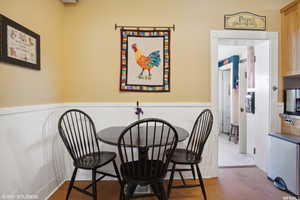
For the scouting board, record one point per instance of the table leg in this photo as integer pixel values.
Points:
(130, 189)
(143, 153)
(143, 157)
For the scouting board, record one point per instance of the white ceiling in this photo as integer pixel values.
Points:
(225, 51)
(233, 42)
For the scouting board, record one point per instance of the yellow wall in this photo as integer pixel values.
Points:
(23, 86)
(92, 44)
(80, 51)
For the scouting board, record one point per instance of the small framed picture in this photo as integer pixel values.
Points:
(19, 45)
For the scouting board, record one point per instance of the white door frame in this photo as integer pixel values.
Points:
(216, 36)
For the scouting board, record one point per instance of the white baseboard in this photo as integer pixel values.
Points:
(55, 189)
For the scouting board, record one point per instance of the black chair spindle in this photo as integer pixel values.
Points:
(78, 133)
(191, 156)
(148, 141)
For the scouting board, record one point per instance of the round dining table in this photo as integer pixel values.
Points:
(111, 136)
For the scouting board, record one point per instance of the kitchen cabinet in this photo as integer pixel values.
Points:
(290, 39)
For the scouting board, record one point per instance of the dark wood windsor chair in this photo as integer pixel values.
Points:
(191, 156)
(149, 164)
(78, 133)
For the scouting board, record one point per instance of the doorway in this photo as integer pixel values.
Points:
(249, 93)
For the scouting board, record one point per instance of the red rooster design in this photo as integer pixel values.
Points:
(146, 62)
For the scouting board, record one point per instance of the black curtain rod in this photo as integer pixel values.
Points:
(145, 27)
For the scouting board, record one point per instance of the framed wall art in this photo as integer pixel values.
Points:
(245, 21)
(18, 45)
(145, 60)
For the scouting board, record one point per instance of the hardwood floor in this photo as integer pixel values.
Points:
(232, 184)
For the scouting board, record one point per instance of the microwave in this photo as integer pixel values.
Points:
(292, 101)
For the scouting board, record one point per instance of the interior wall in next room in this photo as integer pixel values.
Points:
(225, 98)
(224, 52)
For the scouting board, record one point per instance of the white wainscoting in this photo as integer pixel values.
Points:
(29, 150)
(34, 161)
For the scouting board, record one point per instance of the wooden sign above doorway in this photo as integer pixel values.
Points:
(245, 21)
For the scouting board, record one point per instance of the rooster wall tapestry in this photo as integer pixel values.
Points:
(145, 60)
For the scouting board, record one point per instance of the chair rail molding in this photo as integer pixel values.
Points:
(30, 108)
(133, 104)
(42, 107)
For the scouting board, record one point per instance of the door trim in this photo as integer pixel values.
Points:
(272, 37)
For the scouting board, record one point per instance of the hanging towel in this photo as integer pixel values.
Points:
(235, 60)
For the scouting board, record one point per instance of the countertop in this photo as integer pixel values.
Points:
(287, 137)
(286, 116)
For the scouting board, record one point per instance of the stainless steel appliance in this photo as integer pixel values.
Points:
(292, 101)
(284, 162)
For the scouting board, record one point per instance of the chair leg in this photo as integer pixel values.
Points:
(201, 181)
(230, 134)
(171, 180)
(156, 190)
(162, 191)
(237, 135)
(182, 178)
(127, 198)
(119, 179)
(130, 191)
(71, 183)
(94, 184)
(117, 172)
(122, 192)
(193, 172)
